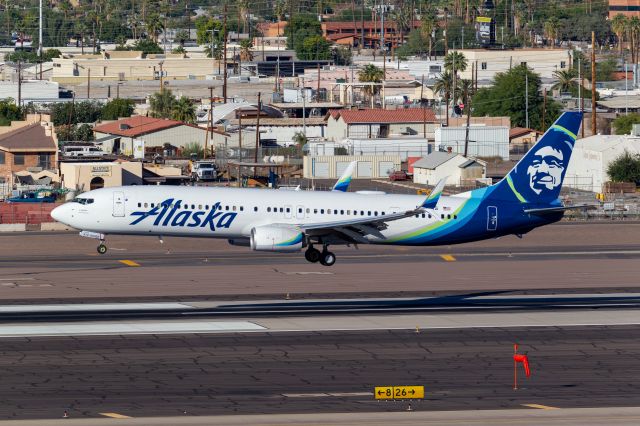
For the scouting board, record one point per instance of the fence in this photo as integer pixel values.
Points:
(27, 213)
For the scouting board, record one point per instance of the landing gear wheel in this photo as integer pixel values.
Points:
(102, 249)
(312, 255)
(327, 258)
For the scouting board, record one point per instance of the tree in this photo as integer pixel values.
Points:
(9, 112)
(428, 28)
(182, 37)
(192, 148)
(205, 26)
(623, 124)
(566, 80)
(551, 30)
(314, 47)
(371, 74)
(618, 26)
(507, 97)
(162, 104)
(625, 168)
(444, 87)
(75, 112)
(154, 26)
(117, 108)
(455, 58)
(245, 50)
(146, 46)
(183, 110)
(342, 55)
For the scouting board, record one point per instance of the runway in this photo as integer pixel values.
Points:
(197, 375)
(55, 268)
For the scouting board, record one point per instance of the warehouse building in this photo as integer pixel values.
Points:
(332, 167)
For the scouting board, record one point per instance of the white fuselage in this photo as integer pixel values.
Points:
(189, 211)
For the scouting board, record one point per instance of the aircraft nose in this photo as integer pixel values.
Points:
(59, 214)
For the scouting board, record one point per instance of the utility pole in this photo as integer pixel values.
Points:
(383, 45)
(255, 155)
(88, 83)
(209, 123)
(526, 95)
(594, 126)
(240, 136)
(581, 98)
(19, 84)
(40, 43)
(161, 76)
(304, 108)
(224, 54)
(424, 108)
(544, 108)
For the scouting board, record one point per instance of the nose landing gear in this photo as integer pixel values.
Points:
(102, 248)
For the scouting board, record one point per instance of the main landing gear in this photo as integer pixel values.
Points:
(325, 257)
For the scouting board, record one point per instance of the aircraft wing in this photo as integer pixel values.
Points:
(353, 230)
(550, 210)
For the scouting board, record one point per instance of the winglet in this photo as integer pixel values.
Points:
(343, 183)
(432, 200)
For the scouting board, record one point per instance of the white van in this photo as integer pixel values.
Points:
(82, 151)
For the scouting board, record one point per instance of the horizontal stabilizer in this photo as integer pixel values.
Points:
(432, 200)
(550, 210)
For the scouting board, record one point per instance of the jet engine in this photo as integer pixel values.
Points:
(276, 238)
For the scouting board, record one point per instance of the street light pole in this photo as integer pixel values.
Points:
(224, 54)
(161, 63)
(88, 83)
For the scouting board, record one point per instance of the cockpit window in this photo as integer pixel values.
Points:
(83, 201)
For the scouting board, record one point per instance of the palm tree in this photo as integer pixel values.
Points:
(633, 31)
(618, 26)
(455, 58)
(466, 92)
(427, 28)
(371, 74)
(245, 50)
(551, 28)
(183, 110)
(566, 79)
(162, 104)
(444, 87)
(154, 26)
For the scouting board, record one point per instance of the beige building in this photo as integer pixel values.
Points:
(379, 123)
(542, 61)
(459, 170)
(131, 66)
(83, 177)
(368, 166)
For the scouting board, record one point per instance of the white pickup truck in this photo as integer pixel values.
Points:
(204, 170)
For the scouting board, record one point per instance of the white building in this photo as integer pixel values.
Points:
(405, 147)
(30, 90)
(379, 123)
(543, 61)
(437, 165)
(591, 156)
(332, 166)
(484, 141)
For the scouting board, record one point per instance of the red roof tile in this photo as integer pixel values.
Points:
(138, 126)
(385, 116)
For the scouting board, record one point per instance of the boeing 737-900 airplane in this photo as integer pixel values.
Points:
(288, 221)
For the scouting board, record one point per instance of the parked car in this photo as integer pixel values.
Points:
(398, 175)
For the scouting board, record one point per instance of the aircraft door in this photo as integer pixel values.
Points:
(492, 218)
(118, 204)
(300, 212)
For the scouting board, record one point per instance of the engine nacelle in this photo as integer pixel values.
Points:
(276, 238)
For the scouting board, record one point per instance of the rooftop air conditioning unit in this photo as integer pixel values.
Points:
(124, 126)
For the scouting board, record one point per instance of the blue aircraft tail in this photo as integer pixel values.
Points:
(538, 176)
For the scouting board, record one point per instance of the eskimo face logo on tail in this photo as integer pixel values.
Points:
(169, 213)
(546, 170)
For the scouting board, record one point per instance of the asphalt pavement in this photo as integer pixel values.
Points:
(320, 372)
